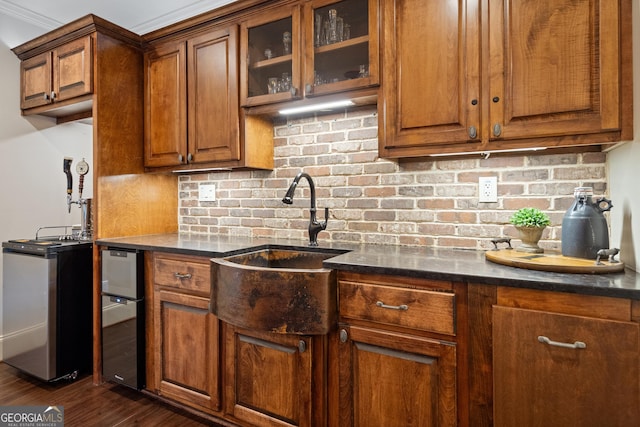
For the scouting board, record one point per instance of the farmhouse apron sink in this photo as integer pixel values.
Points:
(276, 290)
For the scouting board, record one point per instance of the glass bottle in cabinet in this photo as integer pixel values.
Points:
(270, 57)
(343, 37)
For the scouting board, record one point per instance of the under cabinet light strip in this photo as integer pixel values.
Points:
(487, 153)
(316, 107)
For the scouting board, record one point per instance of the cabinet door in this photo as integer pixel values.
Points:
(394, 380)
(554, 67)
(165, 117)
(431, 91)
(544, 384)
(213, 113)
(270, 69)
(35, 79)
(341, 45)
(73, 69)
(187, 350)
(268, 378)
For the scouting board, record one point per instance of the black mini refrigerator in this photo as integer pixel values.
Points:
(123, 354)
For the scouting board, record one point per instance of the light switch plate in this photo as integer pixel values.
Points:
(207, 192)
(488, 189)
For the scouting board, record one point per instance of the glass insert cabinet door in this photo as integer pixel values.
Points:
(309, 49)
(343, 37)
(270, 65)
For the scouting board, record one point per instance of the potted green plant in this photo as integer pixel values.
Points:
(530, 223)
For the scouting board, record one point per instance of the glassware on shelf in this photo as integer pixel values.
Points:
(286, 41)
(363, 71)
(268, 54)
(318, 30)
(285, 82)
(346, 32)
(272, 85)
(333, 26)
(339, 29)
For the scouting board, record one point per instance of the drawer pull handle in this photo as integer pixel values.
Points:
(403, 307)
(576, 345)
(182, 275)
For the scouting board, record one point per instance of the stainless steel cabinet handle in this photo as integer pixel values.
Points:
(182, 275)
(402, 307)
(575, 345)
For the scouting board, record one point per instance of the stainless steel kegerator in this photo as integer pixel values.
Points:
(123, 356)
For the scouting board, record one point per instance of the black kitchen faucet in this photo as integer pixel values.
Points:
(315, 227)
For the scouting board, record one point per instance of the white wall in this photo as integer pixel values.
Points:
(32, 183)
(624, 174)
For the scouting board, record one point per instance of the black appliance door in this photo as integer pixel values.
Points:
(123, 341)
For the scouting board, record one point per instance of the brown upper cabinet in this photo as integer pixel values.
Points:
(57, 75)
(301, 50)
(192, 113)
(503, 75)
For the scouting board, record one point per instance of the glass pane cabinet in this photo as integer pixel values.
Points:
(270, 57)
(322, 47)
(343, 37)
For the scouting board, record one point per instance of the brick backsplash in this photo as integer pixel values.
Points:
(377, 201)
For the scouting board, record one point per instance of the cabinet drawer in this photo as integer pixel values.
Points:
(413, 308)
(183, 272)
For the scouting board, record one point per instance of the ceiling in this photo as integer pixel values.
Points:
(23, 20)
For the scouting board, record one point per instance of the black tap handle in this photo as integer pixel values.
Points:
(66, 167)
(326, 218)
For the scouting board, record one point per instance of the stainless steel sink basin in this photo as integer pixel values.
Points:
(276, 290)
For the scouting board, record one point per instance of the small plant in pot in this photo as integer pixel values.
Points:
(530, 223)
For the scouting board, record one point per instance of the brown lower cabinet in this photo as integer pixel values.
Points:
(186, 345)
(552, 367)
(396, 380)
(274, 379)
(406, 352)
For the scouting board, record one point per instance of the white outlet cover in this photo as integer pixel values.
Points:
(207, 192)
(488, 189)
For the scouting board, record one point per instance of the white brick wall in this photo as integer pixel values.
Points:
(372, 200)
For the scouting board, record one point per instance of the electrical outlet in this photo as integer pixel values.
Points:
(488, 188)
(207, 192)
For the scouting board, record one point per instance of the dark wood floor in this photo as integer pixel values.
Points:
(88, 405)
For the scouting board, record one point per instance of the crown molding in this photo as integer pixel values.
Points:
(28, 16)
(195, 8)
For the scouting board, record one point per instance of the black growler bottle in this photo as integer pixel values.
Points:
(584, 227)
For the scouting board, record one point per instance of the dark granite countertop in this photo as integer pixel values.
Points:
(430, 263)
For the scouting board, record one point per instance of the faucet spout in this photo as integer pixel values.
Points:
(315, 226)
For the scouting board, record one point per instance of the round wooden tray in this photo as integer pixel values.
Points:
(552, 261)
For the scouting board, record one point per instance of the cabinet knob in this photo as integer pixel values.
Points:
(53, 95)
(294, 91)
(474, 102)
(180, 158)
(308, 88)
(497, 129)
(302, 346)
(496, 99)
(473, 132)
(189, 158)
(344, 336)
(46, 97)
